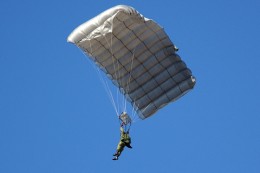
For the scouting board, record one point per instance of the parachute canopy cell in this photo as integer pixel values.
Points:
(137, 55)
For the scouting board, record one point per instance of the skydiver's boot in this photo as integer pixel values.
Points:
(116, 154)
(128, 146)
(115, 158)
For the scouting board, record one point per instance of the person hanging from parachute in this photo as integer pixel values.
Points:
(125, 139)
(140, 59)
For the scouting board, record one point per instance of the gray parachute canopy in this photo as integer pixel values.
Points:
(137, 55)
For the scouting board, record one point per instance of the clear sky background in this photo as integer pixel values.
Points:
(55, 116)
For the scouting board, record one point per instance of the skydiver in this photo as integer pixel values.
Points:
(125, 140)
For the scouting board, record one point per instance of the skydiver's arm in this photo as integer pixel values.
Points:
(121, 129)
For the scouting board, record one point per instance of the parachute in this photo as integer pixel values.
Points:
(137, 55)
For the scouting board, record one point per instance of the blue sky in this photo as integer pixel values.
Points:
(55, 115)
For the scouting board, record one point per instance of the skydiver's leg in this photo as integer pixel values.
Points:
(120, 148)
